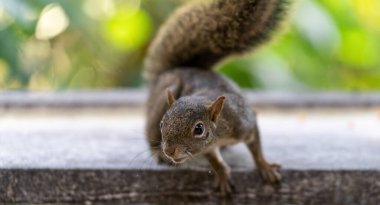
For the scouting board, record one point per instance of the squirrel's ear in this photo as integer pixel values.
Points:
(216, 107)
(170, 97)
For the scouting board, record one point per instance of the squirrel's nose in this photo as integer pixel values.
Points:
(171, 150)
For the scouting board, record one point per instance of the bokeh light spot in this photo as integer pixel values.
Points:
(128, 28)
(52, 22)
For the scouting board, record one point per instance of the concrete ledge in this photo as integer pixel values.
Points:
(137, 98)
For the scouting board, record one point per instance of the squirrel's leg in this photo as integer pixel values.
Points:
(155, 112)
(156, 108)
(156, 150)
(222, 171)
(268, 171)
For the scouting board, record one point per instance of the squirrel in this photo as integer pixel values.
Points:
(191, 109)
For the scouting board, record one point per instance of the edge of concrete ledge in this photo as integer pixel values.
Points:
(137, 98)
(194, 187)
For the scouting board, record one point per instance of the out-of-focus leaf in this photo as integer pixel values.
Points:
(22, 13)
(368, 12)
(10, 53)
(359, 49)
(240, 71)
(315, 25)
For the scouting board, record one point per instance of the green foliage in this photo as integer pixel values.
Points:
(329, 45)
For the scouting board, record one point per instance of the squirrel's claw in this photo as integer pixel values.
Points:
(270, 175)
(275, 165)
(225, 187)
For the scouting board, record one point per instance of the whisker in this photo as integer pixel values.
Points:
(158, 141)
(189, 154)
(147, 160)
(137, 156)
(156, 147)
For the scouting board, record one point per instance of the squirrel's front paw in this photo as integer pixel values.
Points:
(269, 174)
(225, 186)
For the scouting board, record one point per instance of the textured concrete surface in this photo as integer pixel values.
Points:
(186, 187)
(328, 157)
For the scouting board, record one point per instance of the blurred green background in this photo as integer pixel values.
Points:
(96, 44)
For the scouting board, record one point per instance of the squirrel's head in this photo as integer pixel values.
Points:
(188, 126)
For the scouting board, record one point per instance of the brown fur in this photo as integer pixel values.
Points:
(198, 99)
(201, 35)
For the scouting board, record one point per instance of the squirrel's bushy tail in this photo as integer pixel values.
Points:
(201, 35)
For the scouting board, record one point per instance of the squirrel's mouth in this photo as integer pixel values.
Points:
(179, 160)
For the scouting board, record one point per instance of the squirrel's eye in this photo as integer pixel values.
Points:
(198, 129)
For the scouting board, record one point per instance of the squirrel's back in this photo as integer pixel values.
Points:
(200, 35)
